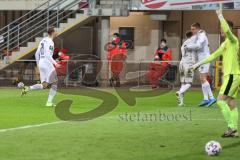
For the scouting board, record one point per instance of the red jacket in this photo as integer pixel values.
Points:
(156, 71)
(156, 66)
(62, 60)
(115, 50)
(165, 54)
(116, 56)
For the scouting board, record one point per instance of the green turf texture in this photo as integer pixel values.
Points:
(111, 137)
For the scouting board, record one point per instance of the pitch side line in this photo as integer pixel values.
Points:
(60, 122)
(30, 126)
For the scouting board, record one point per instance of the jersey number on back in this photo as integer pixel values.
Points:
(42, 49)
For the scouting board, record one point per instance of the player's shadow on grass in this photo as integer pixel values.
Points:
(233, 145)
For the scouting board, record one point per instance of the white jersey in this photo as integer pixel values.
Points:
(45, 61)
(189, 56)
(45, 52)
(201, 45)
(188, 59)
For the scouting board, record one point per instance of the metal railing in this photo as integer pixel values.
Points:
(89, 70)
(35, 23)
(86, 70)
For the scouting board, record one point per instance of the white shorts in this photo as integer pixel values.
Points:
(204, 68)
(48, 73)
(186, 75)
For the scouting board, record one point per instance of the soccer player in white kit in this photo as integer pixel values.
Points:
(46, 63)
(202, 53)
(188, 59)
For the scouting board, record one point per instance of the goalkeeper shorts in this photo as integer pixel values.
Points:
(230, 85)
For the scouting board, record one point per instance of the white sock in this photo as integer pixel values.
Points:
(184, 88)
(181, 88)
(208, 88)
(36, 87)
(52, 93)
(205, 86)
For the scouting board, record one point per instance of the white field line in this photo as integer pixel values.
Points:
(60, 122)
(30, 126)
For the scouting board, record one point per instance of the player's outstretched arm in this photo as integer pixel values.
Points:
(225, 27)
(212, 57)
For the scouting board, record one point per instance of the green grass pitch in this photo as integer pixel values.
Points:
(27, 130)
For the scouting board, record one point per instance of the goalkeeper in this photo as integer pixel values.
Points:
(231, 75)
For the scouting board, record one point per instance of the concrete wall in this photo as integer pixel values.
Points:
(147, 31)
(146, 34)
(210, 23)
(79, 40)
(172, 29)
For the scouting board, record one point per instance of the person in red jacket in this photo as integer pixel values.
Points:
(164, 52)
(117, 54)
(62, 58)
(156, 71)
(158, 68)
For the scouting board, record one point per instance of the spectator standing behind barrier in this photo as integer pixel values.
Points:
(158, 68)
(164, 52)
(117, 54)
(61, 58)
